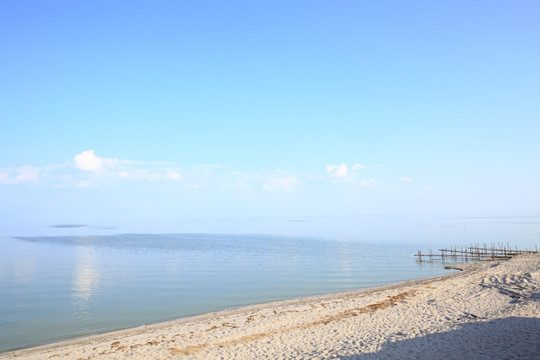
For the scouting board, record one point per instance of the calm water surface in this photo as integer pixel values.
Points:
(82, 280)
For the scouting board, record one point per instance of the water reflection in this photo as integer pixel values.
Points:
(24, 268)
(344, 254)
(85, 276)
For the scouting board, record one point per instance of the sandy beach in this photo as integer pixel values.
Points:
(489, 310)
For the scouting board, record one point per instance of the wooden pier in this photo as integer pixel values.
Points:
(472, 253)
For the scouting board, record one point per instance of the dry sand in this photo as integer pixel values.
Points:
(490, 310)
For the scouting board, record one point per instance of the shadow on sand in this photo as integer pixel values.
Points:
(509, 338)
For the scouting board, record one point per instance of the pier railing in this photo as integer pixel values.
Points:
(472, 253)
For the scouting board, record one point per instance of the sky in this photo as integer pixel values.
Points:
(166, 110)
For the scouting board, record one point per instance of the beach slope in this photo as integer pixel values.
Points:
(490, 310)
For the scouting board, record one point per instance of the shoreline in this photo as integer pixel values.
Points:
(349, 325)
(459, 269)
(453, 271)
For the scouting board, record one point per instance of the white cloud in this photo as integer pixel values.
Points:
(19, 175)
(86, 169)
(342, 171)
(343, 175)
(405, 179)
(88, 161)
(239, 185)
(174, 176)
(27, 173)
(4, 177)
(280, 184)
(133, 173)
(339, 171)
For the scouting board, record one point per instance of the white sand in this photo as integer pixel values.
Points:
(491, 310)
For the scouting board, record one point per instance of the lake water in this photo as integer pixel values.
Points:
(60, 281)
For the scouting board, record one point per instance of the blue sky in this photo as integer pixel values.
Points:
(147, 110)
